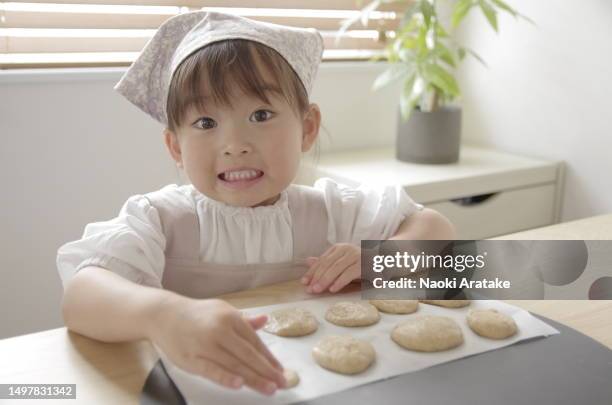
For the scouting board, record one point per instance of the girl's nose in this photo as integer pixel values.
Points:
(237, 150)
(236, 145)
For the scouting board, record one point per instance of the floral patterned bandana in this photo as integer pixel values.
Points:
(146, 82)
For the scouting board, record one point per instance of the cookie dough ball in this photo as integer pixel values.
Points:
(428, 333)
(491, 323)
(396, 306)
(448, 303)
(291, 377)
(291, 322)
(352, 313)
(344, 354)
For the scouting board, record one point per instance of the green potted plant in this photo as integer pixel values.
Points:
(423, 55)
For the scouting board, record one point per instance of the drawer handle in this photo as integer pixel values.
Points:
(473, 200)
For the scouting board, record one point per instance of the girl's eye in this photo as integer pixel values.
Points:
(261, 115)
(205, 123)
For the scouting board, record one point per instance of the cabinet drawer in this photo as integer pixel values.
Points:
(485, 216)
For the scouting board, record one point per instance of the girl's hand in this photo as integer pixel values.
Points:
(334, 269)
(212, 339)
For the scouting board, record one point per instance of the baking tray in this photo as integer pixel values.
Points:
(567, 368)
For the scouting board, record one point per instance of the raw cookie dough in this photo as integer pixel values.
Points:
(344, 354)
(428, 333)
(396, 306)
(291, 322)
(491, 324)
(291, 377)
(448, 303)
(352, 313)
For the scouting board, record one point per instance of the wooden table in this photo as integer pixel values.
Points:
(115, 373)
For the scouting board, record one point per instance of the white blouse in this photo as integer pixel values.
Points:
(132, 244)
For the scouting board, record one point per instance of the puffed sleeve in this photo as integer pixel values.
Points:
(130, 245)
(364, 212)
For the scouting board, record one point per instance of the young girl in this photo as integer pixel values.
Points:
(233, 95)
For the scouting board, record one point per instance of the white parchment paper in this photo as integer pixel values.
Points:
(391, 359)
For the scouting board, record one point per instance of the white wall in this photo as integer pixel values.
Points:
(546, 92)
(73, 151)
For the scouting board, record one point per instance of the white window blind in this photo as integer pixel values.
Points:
(71, 33)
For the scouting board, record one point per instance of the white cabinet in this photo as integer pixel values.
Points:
(487, 193)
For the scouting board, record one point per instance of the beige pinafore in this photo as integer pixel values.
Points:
(186, 274)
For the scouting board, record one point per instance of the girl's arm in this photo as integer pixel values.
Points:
(426, 224)
(341, 263)
(208, 337)
(104, 306)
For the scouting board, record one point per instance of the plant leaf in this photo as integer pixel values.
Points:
(408, 14)
(500, 4)
(445, 54)
(406, 98)
(428, 11)
(363, 16)
(406, 55)
(421, 42)
(475, 55)
(524, 17)
(440, 31)
(365, 12)
(504, 6)
(489, 12)
(461, 9)
(345, 24)
(409, 43)
(393, 73)
(442, 79)
(461, 53)
(418, 88)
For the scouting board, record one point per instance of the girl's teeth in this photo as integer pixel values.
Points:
(240, 175)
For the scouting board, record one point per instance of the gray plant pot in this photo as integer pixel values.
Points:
(430, 137)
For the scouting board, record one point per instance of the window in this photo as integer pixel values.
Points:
(73, 33)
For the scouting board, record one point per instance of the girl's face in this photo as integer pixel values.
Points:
(246, 154)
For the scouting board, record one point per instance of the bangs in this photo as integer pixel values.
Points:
(210, 74)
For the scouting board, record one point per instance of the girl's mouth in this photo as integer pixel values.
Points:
(238, 179)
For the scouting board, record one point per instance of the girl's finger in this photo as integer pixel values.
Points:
(327, 259)
(345, 278)
(210, 369)
(251, 378)
(310, 261)
(257, 322)
(314, 268)
(252, 337)
(344, 263)
(331, 273)
(327, 263)
(250, 357)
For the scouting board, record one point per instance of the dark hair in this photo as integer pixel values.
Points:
(226, 62)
